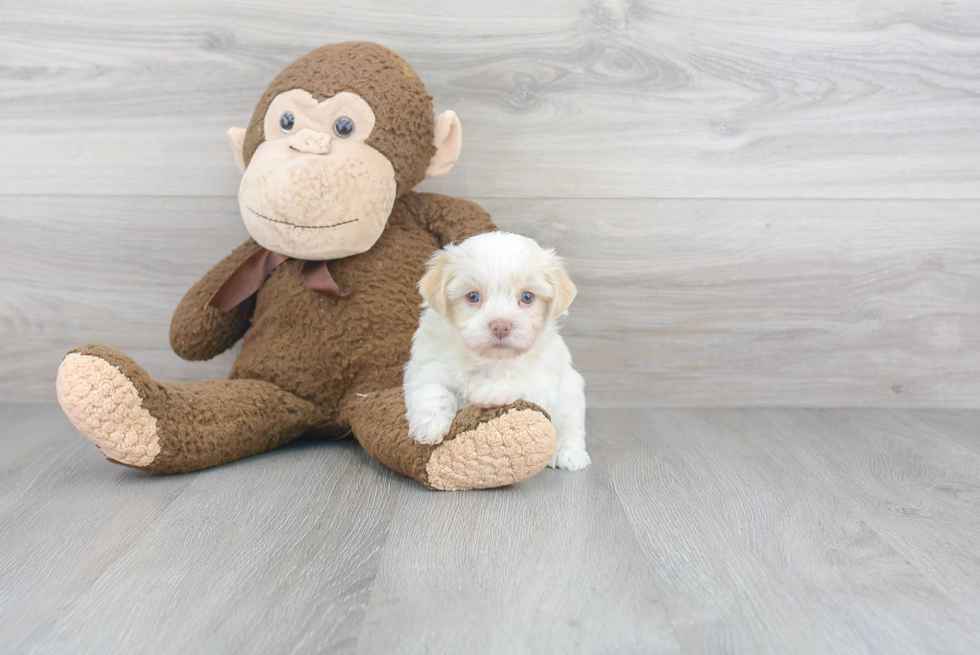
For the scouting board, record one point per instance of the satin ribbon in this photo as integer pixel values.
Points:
(253, 272)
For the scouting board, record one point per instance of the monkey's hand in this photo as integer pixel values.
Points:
(451, 220)
(198, 332)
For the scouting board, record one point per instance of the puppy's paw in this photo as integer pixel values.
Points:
(429, 427)
(570, 458)
(494, 395)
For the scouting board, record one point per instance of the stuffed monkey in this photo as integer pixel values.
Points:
(324, 294)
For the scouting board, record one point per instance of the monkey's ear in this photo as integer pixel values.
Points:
(236, 137)
(448, 141)
(433, 284)
(564, 289)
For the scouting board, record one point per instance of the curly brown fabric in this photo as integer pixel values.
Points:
(404, 129)
(310, 361)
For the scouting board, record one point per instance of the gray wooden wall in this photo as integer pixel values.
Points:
(764, 203)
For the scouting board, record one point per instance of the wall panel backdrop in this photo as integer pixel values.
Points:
(763, 203)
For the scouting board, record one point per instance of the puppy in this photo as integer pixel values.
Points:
(488, 337)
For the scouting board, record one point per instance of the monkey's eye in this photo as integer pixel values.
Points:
(343, 127)
(527, 297)
(473, 297)
(286, 122)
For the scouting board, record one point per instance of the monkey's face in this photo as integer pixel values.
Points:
(314, 189)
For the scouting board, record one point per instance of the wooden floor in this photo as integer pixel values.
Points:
(694, 531)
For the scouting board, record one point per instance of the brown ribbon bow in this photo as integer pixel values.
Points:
(249, 276)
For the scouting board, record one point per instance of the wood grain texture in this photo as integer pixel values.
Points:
(587, 98)
(801, 531)
(963, 426)
(107, 559)
(702, 531)
(681, 302)
(553, 559)
(701, 165)
(915, 485)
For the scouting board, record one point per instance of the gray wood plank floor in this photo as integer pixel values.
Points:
(696, 530)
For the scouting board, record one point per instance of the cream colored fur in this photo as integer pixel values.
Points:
(458, 359)
(484, 457)
(308, 192)
(346, 187)
(448, 142)
(105, 406)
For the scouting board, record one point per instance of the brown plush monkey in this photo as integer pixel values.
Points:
(324, 293)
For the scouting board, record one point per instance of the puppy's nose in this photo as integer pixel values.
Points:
(311, 142)
(500, 328)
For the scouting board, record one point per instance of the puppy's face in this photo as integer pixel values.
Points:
(499, 291)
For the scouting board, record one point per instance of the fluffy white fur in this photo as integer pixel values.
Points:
(459, 358)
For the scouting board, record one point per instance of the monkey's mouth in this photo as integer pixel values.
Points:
(304, 152)
(302, 227)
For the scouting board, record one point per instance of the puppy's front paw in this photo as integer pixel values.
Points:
(571, 458)
(494, 395)
(429, 427)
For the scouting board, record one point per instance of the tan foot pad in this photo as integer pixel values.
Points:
(502, 451)
(104, 405)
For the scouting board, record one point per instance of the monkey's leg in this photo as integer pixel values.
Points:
(485, 447)
(173, 428)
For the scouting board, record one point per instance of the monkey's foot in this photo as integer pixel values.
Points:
(492, 448)
(96, 390)
(174, 428)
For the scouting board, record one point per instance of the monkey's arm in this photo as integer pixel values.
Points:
(451, 220)
(198, 332)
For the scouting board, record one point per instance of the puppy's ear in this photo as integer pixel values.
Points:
(563, 287)
(433, 284)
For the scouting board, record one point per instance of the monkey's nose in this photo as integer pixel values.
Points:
(500, 328)
(310, 142)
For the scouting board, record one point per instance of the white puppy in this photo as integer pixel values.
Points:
(488, 337)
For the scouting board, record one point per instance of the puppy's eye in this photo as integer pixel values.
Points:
(473, 297)
(286, 122)
(527, 297)
(343, 127)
